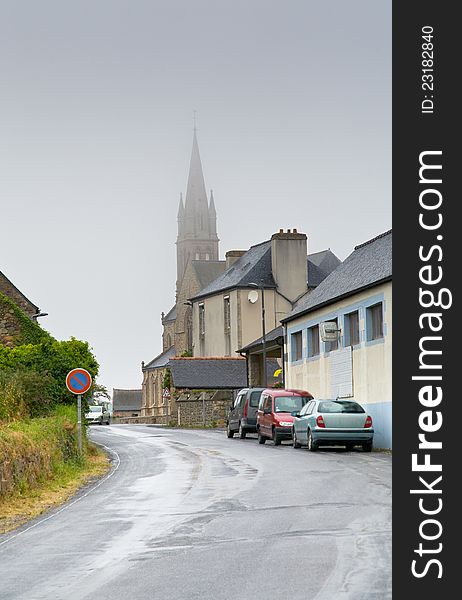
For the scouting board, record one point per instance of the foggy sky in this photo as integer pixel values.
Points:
(97, 98)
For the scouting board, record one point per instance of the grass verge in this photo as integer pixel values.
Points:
(17, 509)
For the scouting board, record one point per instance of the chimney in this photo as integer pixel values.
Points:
(232, 256)
(289, 262)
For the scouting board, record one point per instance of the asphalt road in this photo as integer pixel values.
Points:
(191, 514)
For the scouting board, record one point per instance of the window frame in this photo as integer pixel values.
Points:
(311, 352)
(375, 328)
(296, 346)
(348, 329)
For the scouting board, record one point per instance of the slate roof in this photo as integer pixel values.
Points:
(255, 267)
(209, 373)
(208, 270)
(320, 265)
(368, 265)
(171, 315)
(126, 400)
(161, 360)
(271, 336)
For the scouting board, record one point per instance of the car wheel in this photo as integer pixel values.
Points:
(295, 443)
(367, 447)
(241, 432)
(229, 432)
(261, 438)
(312, 445)
(276, 438)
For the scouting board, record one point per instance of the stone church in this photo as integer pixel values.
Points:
(198, 265)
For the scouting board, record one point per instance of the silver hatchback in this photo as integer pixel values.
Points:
(332, 423)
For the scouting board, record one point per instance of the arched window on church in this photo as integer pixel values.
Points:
(168, 341)
(188, 329)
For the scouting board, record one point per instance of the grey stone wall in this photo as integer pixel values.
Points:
(203, 409)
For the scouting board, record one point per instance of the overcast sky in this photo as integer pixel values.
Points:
(293, 105)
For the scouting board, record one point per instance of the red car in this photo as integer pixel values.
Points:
(274, 419)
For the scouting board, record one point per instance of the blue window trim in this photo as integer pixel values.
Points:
(369, 340)
(292, 346)
(310, 356)
(361, 306)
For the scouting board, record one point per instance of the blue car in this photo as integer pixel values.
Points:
(332, 423)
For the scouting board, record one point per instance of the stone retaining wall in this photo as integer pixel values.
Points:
(203, 409)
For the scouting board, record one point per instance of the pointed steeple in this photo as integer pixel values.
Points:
(180, 216)
(212, 215)
(181, 208)
(212, 210)
(197, 220)
(196, 205)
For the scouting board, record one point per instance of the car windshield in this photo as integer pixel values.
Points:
(289, 403)
(340, 406)
(96, 409)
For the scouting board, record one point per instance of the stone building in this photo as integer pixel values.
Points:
(267, 279)
(198, 265)
(10, 324)
(126, 403)
(154, 395)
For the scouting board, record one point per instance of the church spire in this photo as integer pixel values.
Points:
(197, 219)
(196, 205)
(212, 215)
(181, 207)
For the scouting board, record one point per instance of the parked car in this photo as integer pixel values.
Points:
(98, 414)
(274, 415)
(242, 417)
(331, 423)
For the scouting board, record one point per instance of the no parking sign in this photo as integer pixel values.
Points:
(78, 381)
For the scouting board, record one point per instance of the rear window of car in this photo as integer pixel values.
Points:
(340, 406)
(289, 403)
(254, 399)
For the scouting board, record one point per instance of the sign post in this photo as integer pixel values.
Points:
(78, 381)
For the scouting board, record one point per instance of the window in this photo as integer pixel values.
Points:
(238, 400)
(340, 406)
(307, 409)
(352, 329)
(289, 403)
(313, 341)
(297, 346)
(332, 345)
(227, 313)
(254, 399)
(202, 320)
(375, 322)
(227, 325)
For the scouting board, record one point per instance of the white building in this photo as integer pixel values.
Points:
(358, 297)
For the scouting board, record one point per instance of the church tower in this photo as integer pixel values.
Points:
(197, 220)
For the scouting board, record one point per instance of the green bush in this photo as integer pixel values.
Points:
(52, 360)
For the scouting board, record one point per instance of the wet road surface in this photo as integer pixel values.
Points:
(192, 514)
